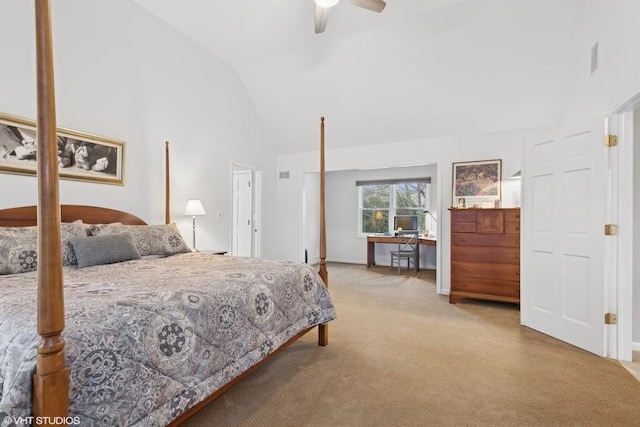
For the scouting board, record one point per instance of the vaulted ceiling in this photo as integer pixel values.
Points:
(420, 69)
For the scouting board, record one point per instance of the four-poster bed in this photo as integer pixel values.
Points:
(139, 346)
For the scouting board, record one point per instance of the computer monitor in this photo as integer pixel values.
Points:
(405, 222)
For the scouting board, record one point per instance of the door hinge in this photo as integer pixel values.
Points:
(611, 140)
(610, 229)
(610, 319)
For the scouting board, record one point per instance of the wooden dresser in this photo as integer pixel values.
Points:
(485, 254)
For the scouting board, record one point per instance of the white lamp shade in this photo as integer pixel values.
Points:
(194, 208)
(326, 3)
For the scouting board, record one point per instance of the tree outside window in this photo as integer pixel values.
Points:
(375, 203)
(411, 199)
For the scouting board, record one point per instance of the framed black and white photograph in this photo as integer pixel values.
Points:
(81, 156)
(477, 184)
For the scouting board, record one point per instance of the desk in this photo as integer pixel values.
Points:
(372, 240)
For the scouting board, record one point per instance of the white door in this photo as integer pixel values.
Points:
(563, 215)
(242, 213)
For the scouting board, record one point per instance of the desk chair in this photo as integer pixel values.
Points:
(406, 250)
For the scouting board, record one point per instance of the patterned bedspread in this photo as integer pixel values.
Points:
(147, 339)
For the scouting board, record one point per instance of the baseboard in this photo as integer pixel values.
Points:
(346, 261)
(360, 262)
(316, 261)
(635, 346)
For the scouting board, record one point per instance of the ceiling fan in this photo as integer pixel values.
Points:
(324, 6)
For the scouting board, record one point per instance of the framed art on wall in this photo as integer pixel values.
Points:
(477, 184)
(81, 156)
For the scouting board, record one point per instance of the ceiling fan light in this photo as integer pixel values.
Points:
(326, 3)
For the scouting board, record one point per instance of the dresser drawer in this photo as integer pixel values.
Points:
(490, 221)
(512, 215)
(512, 227)
(463, 215)
(470, 239)
(463, 227)
(499, 255)
(485, 270)
(485, 286)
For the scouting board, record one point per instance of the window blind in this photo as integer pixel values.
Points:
(426, 180)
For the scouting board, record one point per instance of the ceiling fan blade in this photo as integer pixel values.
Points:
(373, 5)
(322, 14)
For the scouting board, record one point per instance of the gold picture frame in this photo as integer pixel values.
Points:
(477, 184)
(81, 156)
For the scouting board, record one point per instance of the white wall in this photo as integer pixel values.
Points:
(122, 73)
(614, 26)
(311, 217)
(98, 93)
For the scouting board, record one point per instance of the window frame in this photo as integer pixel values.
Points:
(393, 208)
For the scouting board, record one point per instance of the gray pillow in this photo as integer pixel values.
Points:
(161, 239)
(17, 245)
(107, 249)
(18, 254)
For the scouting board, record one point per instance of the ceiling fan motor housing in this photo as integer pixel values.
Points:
(326, 3)
(323, 7)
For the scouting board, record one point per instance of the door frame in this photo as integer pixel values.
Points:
(256, 199)
(621, 124)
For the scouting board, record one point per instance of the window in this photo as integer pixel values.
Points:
(381, 200)
(375, 204)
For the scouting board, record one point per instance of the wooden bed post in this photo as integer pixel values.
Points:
(323, 329)
(51, 380)
(167, 185)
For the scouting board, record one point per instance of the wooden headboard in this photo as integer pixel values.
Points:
(28, 215)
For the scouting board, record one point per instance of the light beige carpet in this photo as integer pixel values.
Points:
(400, 355)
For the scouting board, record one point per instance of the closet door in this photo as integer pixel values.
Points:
(242, 213)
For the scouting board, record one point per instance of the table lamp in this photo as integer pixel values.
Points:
(193, 209)
(432, 217)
